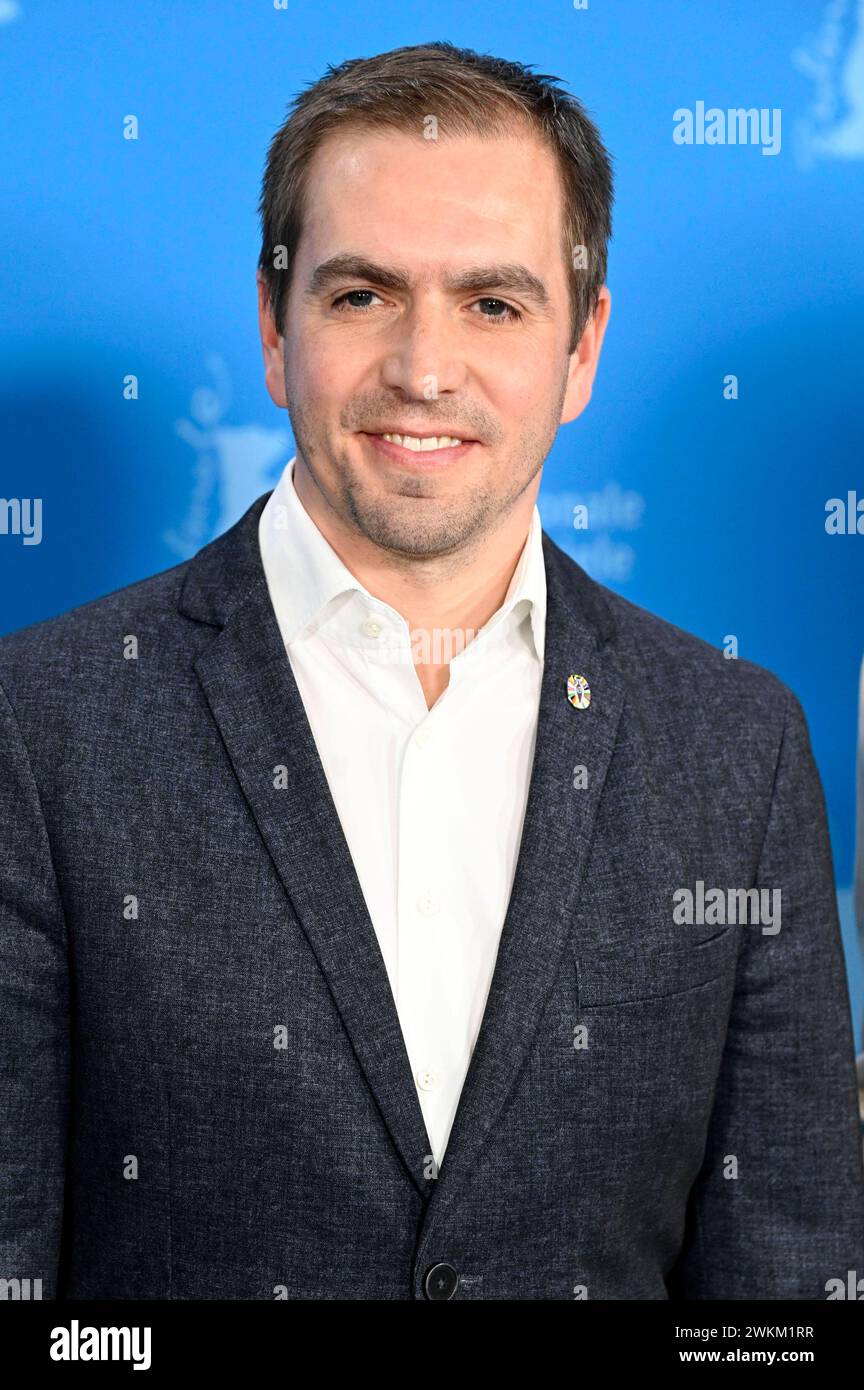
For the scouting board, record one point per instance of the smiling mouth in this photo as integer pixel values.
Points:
(423, 443)
(420, 450)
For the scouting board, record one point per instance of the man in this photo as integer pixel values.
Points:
(361, 878)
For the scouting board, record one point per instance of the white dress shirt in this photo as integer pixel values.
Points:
(431, 801)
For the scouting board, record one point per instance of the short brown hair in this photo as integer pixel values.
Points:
(469, 94)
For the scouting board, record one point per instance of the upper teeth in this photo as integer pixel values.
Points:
(413, 441)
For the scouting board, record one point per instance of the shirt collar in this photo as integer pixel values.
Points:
(311, 588)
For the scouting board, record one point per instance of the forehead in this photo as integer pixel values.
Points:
(395, 195)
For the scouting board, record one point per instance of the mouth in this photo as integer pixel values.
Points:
(421, 451)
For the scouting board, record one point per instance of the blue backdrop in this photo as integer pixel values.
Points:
(727, 410)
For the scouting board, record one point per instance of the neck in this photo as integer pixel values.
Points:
(454, 595)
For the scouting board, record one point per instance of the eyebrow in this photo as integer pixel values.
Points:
(510, 277)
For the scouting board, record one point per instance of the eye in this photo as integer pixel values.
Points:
(510, 315)
(341, 304)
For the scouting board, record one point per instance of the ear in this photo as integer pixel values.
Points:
(271, 346)
(583, 361)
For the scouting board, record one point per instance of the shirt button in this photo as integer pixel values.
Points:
(427, 1079)
(371, 628)
(422, 737)
(440, 1283)
(428, 906)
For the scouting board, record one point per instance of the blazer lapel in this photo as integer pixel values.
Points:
(253, 697)
(556, 835)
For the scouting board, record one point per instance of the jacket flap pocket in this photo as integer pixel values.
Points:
(646, 969)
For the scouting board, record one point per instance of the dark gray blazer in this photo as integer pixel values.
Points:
(205, 1090)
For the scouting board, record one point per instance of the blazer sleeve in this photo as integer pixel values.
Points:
(777, 1210)
(34, 1027)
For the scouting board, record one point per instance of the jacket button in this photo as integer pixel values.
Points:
(441, 1282)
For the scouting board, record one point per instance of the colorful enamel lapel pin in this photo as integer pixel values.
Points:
(578, 692)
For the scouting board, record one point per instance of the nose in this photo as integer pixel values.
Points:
(423, 358)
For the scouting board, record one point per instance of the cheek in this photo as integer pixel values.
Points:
(521, 388)
(337, 364)
(316, 375)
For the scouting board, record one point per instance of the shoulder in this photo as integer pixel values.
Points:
(71, 667)
(673, 677)
(82, 631)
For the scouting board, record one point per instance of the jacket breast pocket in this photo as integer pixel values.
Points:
(624, 971)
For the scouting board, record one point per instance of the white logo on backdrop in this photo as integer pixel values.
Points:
(833, 60)
(234, 464)
(584, 524)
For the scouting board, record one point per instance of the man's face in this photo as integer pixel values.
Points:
(429, 297)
